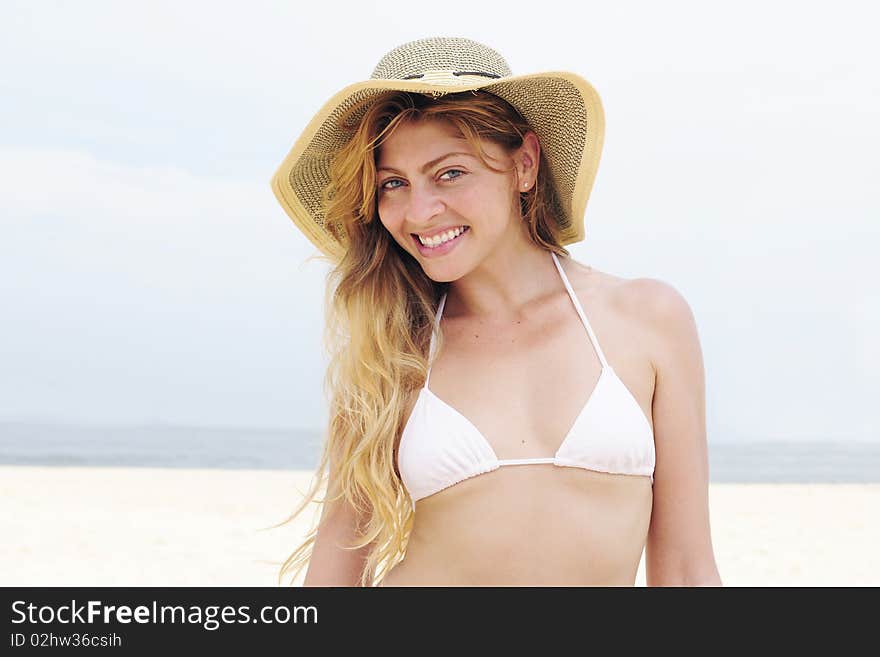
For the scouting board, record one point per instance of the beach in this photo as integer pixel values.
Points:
(133, 526)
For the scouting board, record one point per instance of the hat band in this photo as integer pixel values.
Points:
(450, 77)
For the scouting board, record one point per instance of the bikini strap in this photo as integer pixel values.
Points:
(433, 333)
(580, 311)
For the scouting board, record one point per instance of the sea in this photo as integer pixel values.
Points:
(164, 446)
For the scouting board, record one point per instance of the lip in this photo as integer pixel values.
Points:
(439, 231)
(441, 250)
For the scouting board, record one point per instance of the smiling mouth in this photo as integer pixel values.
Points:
(433, 243)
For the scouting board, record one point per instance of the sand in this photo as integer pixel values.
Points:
(169, 527)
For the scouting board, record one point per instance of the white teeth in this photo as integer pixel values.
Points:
(442, 238)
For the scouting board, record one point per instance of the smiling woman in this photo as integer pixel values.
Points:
(473, 184)
(564, 429)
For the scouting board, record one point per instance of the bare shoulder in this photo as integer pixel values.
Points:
(638, 295)
(653, 308)
(666, 322)
(659, 303)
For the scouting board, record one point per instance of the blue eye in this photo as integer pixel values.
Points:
(382, 186)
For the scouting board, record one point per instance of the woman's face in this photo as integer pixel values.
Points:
(431, 184)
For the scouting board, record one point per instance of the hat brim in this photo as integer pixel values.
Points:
(563, 109)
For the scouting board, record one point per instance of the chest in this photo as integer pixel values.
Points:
(522, 384)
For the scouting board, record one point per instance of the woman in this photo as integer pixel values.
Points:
(500, 414)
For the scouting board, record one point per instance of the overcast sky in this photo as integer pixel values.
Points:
(147, 273)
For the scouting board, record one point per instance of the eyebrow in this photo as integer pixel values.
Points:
(430, 164)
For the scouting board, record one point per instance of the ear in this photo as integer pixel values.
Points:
(526, 159)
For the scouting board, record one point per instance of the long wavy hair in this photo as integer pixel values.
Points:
(380, 310)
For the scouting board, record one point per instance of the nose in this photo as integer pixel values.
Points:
(423, 204)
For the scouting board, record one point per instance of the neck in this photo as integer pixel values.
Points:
(504, 284)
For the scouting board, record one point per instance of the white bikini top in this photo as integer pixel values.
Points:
(440, 447)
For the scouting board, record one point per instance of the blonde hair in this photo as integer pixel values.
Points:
(381, 308)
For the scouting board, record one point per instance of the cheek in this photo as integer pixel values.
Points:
(389, 215)
(484, 204)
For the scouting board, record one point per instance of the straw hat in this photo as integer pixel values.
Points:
(562, 108)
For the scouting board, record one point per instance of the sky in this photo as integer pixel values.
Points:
(147, 274)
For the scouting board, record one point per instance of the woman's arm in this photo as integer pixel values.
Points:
(330, 564)
(679, 548)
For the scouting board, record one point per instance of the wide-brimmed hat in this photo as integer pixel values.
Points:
(562, 108)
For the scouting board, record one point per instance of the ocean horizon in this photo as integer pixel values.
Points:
(168, 446)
